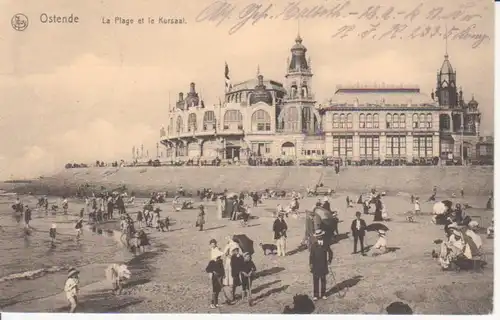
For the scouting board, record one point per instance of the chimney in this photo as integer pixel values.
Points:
(192, 90)
(181, 96)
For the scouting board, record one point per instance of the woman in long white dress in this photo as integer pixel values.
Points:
(228, 250)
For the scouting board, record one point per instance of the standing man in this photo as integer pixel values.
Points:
(319, 258)
(358, 227)
(280, 227)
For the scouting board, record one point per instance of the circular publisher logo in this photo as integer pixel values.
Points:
(19, 22)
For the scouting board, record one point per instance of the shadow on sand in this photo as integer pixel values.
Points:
(346, 284)
(268, 272)
(269, 293)
(264, 286)
(215, 228)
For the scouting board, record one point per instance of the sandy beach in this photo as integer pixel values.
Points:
(171, 278)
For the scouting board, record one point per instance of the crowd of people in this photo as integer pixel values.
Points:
(233, 266)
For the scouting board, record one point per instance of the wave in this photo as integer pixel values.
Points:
(33, 274)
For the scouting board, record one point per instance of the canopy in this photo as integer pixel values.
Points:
(245, 243)
(323, 213)
(448, 204)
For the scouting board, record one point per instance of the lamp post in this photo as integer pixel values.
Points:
(462, 143)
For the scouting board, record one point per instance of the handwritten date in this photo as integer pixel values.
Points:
(403, 31)
(242, 13)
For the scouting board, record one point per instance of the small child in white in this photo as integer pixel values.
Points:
(417, 205)
(71, 287)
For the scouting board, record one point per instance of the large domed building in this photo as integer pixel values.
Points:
(265, 118)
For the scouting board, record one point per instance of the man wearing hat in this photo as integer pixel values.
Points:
(280, 228)
(358, 227)
(71, 288)
(319, 258)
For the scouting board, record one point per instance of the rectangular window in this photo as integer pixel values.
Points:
(389, 146)
(402, 146)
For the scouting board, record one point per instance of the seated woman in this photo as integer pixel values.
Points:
(381, 244)
(453, 248)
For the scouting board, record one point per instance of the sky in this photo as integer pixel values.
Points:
(88, 91)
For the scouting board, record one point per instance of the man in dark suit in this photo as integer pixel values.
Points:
(319, 258)
(358, 227)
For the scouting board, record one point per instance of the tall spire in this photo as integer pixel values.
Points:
(446, 42)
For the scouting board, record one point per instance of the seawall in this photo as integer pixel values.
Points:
(475, 180)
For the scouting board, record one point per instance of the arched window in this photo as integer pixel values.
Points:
(429, 120)
(261, 121)
(402, 121)
(362, 120)
(388, 120)
(444, 122)
(335, 120)
(292, 119)
(209, 120)
(349, 121)
(376, 121)
(421, 121)
(343, 121)
(369, 121)
(233, 120)
(415, 120)
(395, 120)
(180, 125)
(192, 122)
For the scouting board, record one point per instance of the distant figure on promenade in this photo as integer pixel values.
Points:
(358, 227)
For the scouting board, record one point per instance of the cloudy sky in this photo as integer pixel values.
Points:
(87, 91)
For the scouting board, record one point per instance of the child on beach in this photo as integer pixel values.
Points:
(79, 228)
(417, 205)
(236, 265)
(71, 289)
(52, 234)
(247, 271)
(215, 269)
(139, 218)
(381, 244)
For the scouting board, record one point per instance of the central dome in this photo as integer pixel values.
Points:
(260, 94)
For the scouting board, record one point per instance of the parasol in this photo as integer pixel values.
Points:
(376, 227)
(231, 194)
(245, 243)
(439, 208)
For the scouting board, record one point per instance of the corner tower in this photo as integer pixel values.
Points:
(297, 114)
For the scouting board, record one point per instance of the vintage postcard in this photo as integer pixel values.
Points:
(247, 156)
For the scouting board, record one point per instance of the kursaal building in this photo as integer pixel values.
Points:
(270, 119)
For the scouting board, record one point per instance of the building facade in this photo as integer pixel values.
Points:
(264, 118)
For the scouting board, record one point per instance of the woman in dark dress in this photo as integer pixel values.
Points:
(378, 210)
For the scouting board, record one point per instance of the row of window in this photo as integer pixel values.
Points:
(393, 121)
(233, 119)
(369, 147)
